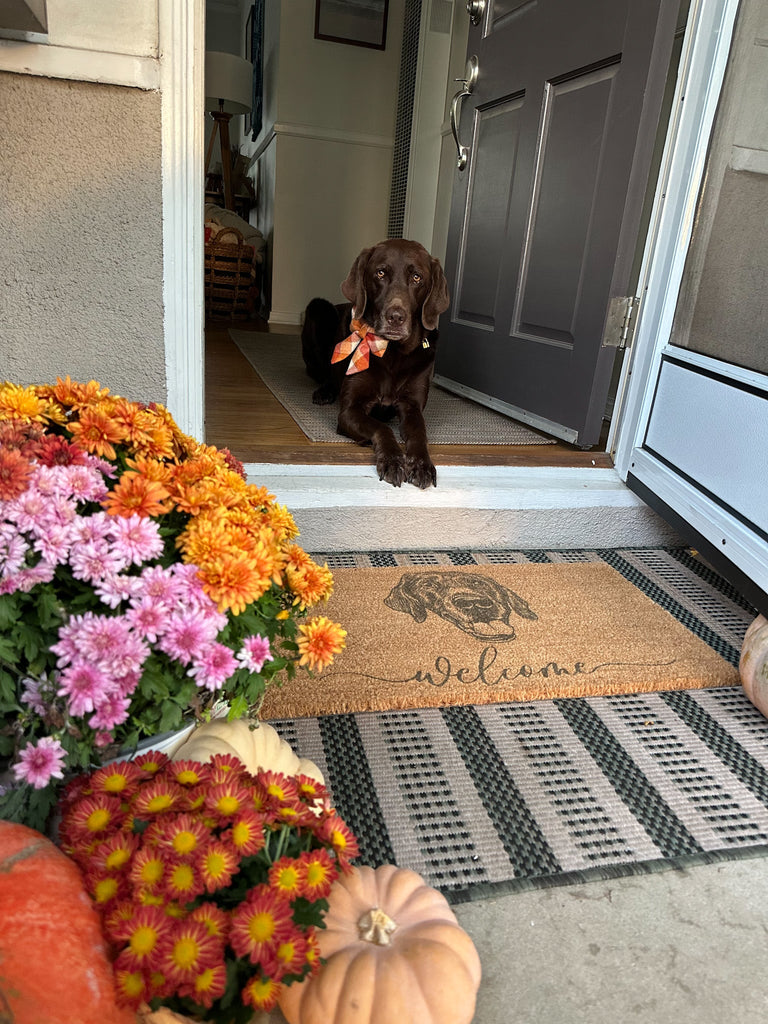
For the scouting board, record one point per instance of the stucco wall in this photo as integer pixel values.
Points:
(81, 267)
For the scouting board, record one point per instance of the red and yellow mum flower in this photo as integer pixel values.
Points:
(115, 853)
(260, 924)
(262, 993)
(207, 986)
(191, 950)
(317, 871)
(131, 987)
(319, 640)
(151, 762)
(228, 798)
(217, 863)
(94, 815)
(147, 869)
(338, 835)
(189, 773)
(183, 835)
(120, 778)
(158, 797)
(285, 877)
(291, 954)
(246, 833)
(278, 788)
(182, 882)
(147, 936)
(213, 918)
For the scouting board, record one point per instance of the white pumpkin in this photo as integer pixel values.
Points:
(753, 663)
(258, 745)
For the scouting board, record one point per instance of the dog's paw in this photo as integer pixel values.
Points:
(421, 473)
(324, 395)
(391, 469)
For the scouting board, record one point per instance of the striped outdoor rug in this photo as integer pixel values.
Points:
(487, 799)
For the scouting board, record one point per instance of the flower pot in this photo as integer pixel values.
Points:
(753, 663)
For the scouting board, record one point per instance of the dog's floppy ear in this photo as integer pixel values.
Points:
(438, 300)
(402, 599)
(353, 289)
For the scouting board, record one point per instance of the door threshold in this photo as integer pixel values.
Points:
(342, 508)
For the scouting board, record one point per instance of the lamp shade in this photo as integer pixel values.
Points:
(229, 81)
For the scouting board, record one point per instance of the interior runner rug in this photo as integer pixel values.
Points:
(436, 636)
(450, 419)
(491, 798)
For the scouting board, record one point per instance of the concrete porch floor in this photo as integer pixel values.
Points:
(676, 947)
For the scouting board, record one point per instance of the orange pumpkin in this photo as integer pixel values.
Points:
(53, 964)
(395, 953)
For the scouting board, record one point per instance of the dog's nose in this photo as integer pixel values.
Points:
(395, 317)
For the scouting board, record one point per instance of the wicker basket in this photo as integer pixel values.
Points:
(231, 286)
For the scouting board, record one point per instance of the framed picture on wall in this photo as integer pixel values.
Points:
(254, 52)
(357, 22)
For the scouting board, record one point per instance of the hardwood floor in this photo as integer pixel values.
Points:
(243, 415)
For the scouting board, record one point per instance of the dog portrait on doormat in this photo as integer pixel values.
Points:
(376, 354)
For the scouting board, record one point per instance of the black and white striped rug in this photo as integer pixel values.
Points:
(487, 799)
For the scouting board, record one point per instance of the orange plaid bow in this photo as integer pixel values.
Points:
(361, 342)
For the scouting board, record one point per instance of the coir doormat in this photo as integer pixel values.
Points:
(441, 636)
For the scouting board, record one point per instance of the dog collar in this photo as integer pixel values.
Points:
(361, 342)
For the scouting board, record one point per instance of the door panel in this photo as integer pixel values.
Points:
(544, 218)
(494, 145)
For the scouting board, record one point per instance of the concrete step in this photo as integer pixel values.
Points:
(347, 508)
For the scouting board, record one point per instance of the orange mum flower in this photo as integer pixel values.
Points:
(311, 583)
(20, 403)
(236, 580)
(72, 394)
(136, 495)
(96, 432)
(15, 472)
(319, 641)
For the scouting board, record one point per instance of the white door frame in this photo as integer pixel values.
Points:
(182, 71)
(700, 78)
(702, 68)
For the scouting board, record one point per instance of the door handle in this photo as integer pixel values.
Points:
(468, 84)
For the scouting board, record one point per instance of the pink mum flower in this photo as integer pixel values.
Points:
(254, 653)
(187, 638)
(137, 538)
(150, 618)
(214, 667)
(94, 560)
(85, 686)
(40, 763)
(112, 711)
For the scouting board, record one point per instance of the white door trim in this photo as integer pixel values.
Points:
(700, 78)
(182, 64)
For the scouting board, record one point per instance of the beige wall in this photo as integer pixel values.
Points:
(723, 306)
(81, 267)
(329, 127)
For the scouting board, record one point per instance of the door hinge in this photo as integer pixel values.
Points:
(620, 322)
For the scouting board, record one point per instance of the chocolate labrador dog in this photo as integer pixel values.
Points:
(378, 354)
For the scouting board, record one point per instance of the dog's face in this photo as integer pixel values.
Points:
(397, 288)
(476, 604)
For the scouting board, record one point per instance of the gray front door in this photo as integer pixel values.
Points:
(559, 129)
